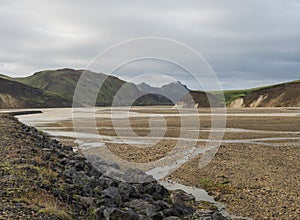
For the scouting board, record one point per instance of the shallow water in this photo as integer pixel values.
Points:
(200, 194)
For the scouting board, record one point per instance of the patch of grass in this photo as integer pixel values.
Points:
(46, 203)
(56, 212)
(210, 185)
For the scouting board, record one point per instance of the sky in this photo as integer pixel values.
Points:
(246, 43)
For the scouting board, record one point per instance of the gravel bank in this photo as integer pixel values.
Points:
(251, 180)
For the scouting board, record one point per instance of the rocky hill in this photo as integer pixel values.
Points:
(17, 95)
(280, 95)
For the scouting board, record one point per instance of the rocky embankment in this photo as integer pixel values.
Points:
(42, 179)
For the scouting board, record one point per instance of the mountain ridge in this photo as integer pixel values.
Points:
(60, 85)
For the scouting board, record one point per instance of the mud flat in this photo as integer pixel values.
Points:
(255, 173)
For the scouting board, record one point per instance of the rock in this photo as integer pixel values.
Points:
(179, 209)
(93, 172)
(68, 148)
(79, 178)
(156, 191)
(111, 197)
(97, 161)
(89, 187)
(179, 196)
(127, 214)
(68, 173)
(218, 216)
(79, 166)
(86, 202)
(137, 176)
(105, 182)
(113, 213)
(157, 216)
(79, 157)
(162, 204)
(64, 161)
(142, 207)
(127, 191)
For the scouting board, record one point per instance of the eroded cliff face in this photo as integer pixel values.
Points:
(283, 95)
(8, 102)
(238, 103)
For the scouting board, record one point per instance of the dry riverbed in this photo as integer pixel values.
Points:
(43, 179)
(256, 171)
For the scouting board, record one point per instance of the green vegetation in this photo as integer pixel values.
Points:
(55, 88)
(230, 95)
(52, 210)
(220, 185)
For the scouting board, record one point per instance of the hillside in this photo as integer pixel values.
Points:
(63, 82)
(279, 95)
(17, 95)
(282, 95)
(60, 85)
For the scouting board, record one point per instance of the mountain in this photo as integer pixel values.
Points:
(279, 95)
(55, 88)
(175, 91)
(17, 95)
(182, 95)
(144, 87)
(58, 86)
(63, 83)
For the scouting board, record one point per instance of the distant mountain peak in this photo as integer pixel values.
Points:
(177, 84)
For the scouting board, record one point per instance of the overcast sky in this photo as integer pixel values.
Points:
(247, 43)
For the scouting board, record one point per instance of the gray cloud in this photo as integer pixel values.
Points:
(248, 43)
